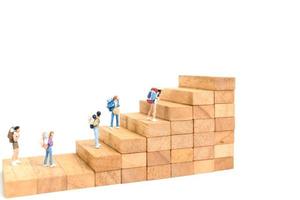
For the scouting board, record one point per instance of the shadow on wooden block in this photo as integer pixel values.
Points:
(134, 174)
(108, 178)
(79, 175)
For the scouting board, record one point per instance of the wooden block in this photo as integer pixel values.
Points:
(138, 123)
(19, 180)
(182, 127)
(133, 160)
(188, 96)
(169, 111)
(224, 137)
(123, 120)
(225, 124)
(203, 166)
(159, 172)
(134, 174)
(204, 139)
(158, 143)
(182, 141)
(123, 140)
(79, 175)
(224, 163)
(158, 158)
(224, 110)
(223, 150)
(224, 96)
(204, 153)
(204, 112)
(100, 160)
(108, 178)
(48, 179)
(204, 125)
(207, 83)
(181, 155)
(182, 169)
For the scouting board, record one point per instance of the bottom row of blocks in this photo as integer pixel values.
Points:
(71, 172)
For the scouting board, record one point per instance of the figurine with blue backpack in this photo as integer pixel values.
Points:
(113, 106)
(152, 99)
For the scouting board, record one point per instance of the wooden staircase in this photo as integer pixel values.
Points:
(194, 133)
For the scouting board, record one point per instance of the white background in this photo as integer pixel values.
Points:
(60, 61)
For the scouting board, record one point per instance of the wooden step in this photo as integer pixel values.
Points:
(207, 83)
(48, 179)
(188, 96)
(100, 160)
(79, 174)
(134, 174)
(19, 180)
(138, 123)
(169, 111)
(123, 140)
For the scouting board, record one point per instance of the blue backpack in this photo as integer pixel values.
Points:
(110, 104)
(151, 96)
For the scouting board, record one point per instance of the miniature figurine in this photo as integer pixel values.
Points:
(13, 136)
(49, 151)
(152, 99)
(94, 124)
(113, 106)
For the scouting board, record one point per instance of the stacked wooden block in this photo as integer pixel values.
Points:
(193, 134)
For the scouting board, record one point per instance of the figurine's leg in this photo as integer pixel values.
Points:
(154, 112)
(112, 120)
(50, 156)
(96, 134)
(46, 157)
(117, 121)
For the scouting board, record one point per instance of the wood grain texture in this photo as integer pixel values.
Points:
(100, 160)
(204, 139)
(19, 180)
(108, 178)
(123, 140)
(134, 174)
(204, 153)
(182, 141)
(204, 166)
(158, 158)
(223, 150)
(224, 163)
(169, 111)
(224, 110)
(159, 172)
(182, 127)
(133, 160)
(182, 169)
(224, 97)
(204, 112)
(207, 83)
(158, 143)
(79, 174)
(225, 124)
(48, 179)
(181, 155)
(138, 123)
(224, 137)
(204, 125)
(188, 96)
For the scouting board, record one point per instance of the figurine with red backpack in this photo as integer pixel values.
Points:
(152, 99)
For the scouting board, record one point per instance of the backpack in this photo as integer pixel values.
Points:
(110, 104)
(10, 136)
(151, 96)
